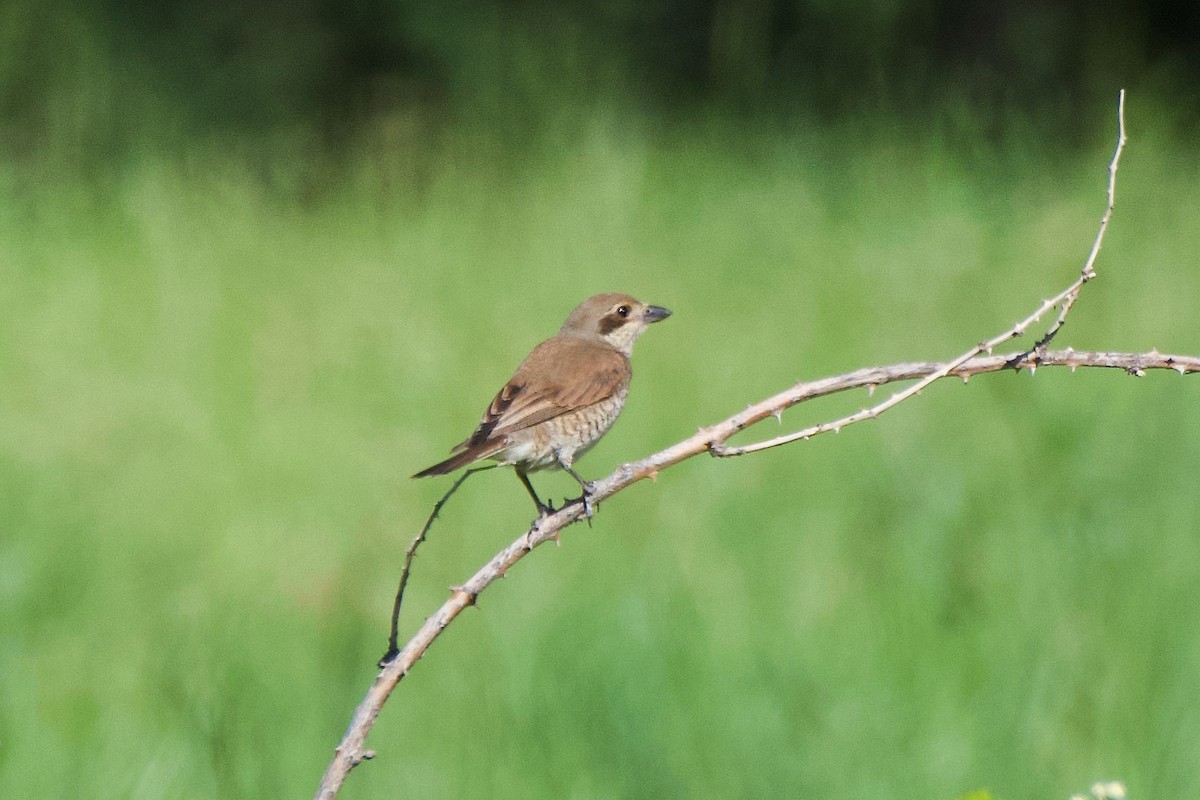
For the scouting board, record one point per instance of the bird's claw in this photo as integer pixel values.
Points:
(544, 511)
(589, 507)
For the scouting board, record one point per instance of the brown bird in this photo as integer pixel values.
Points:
(565, 395)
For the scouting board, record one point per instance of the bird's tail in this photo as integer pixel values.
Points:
(468, 456)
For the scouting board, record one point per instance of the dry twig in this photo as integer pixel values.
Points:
(411, 553)
(1064, 299)
(979, 359)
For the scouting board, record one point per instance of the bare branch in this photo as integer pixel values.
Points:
(1133, 363)
(1089, 267)
(351, 751)
(411, 553)
(1065, 299)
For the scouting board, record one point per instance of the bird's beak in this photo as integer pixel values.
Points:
(656, 313)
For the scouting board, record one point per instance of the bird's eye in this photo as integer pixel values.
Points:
(622, 311)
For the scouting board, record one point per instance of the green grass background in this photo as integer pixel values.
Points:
(220, 361)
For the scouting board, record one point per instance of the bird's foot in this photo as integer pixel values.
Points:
(544, 510)
(589, 508)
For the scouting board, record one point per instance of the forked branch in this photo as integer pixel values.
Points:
(1064, 300)
(977, 360)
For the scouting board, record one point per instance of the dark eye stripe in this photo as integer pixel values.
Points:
(610, 322)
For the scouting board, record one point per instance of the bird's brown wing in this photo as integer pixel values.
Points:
(560, 375)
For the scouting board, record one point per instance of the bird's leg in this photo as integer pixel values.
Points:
(544, 509)
(587, 486)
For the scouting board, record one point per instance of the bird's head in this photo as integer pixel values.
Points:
(615, 319)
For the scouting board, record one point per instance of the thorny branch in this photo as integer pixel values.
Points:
(1088, 272)
(351, 751)
(1064, 299)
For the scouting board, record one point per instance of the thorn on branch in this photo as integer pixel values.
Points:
(472, 597)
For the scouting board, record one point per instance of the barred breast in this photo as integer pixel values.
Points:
(565, 437)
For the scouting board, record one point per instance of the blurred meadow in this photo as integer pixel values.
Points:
(260, 266)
